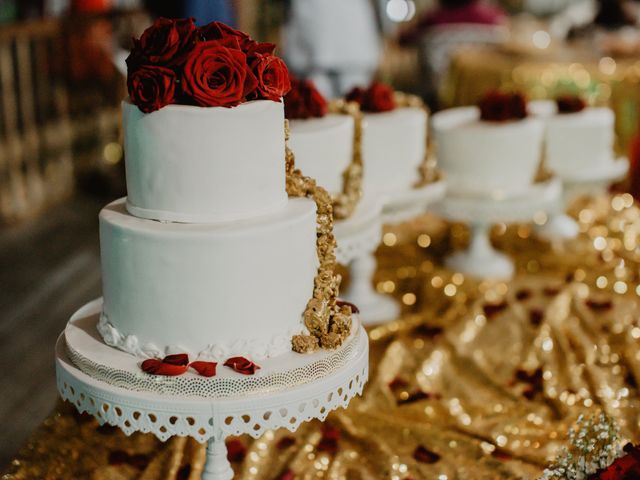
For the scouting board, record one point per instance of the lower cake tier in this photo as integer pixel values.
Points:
(210, 290)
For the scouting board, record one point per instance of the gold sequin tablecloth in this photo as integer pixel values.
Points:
(477, 380)
(605, 80)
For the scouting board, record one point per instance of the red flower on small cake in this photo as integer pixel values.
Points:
(166, 42)
(501, 107)
(377, 98)
(242, 365)
(304, 101)
(217, 76)
(221, 31)
(152, 87)
(570, 104)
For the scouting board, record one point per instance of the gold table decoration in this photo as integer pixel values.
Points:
(477, 380)
(603, 81)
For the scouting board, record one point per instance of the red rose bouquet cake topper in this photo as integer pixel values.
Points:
(498, 106)
(304, 101)
(212, 66)
(570, 104)
(378, 97)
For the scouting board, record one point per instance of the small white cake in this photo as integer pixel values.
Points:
(393, 148)
(486, 158)
(576, 141)
(323, 148)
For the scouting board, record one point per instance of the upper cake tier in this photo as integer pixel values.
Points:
(196, 164)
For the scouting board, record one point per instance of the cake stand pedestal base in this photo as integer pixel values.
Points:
(480, 259)
(357, 238)
(132, 407)
(559, 226)
(374, 307)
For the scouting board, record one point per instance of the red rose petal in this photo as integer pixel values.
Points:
(206, 369)
(181, 359)
(422, 455)
(599, 305)
(570, 104)
(342, 303)
(154, 366)
(523, 294)
(329, 441)
(242, 365)
(536, 315)
(236, 451)
(288, 475)
(285, 442)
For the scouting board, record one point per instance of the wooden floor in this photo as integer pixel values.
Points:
(48, 268)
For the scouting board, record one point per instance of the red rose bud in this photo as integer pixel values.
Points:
(304, 101)
(166, 42)
(377, 98)
(151, 87)
(570, 104)
(272, 76)
(501, 107)
(344, 303)
(329, 441)
(206, 369)
(217, 76)
(221, 31)
(242, 365)
(154, 366)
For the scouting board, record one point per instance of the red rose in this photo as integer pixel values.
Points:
(242, 365)
(272, 76)
(151, 87)
(304, 101)
(500, 107)
(221, 31)
(377, 98)
(570, 104)
(217, 76)
(623, 468)
(166, 42)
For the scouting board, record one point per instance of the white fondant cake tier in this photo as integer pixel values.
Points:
(393, 147)
(195, 164)
(480, 157)
(219, 290)
(576, 141)
(323, 148)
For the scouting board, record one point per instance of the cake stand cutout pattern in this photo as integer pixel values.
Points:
(480, 259)
(561, 226)
(211, 420)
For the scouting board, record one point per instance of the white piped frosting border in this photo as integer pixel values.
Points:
(255, 349)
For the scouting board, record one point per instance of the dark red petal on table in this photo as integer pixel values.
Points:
(206, 369)
(242, 365)
(344, 303)
(181, 359)
(288, 475)
(492, 309)
(536, 315)
(329, 441)
(599, 304)
(236, 451)
(285, 442)
(421, 454)
(158, 367)
(523, 294)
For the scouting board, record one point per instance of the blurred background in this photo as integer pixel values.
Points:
(62, 77)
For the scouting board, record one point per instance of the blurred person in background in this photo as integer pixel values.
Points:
(335, 43)
(204, 11)
(454, 12)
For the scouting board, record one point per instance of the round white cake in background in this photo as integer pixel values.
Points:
(393, 148)
(323, 148)
(486, 158)
(576, 141)
(212, 290)
(194, 164)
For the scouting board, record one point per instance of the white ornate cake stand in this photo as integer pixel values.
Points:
(212, 419)
(481, 259)
(358, 237)
(561, 226)
(405, 205)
